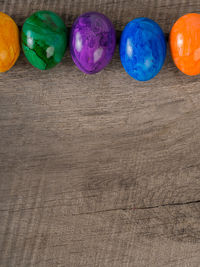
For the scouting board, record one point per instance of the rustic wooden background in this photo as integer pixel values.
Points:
(99, 170)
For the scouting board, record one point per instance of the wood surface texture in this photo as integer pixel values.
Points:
(99, 170)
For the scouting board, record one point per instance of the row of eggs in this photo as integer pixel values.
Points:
(93, 41)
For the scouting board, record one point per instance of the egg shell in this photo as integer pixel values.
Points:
(44, 39)
(9, 42)
(142, 49)
(185, 44)
(92, 42)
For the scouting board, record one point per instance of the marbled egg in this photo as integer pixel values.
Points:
(142, 49)
(44, 39)
(92, 42)
(9, 42)
(185, 43)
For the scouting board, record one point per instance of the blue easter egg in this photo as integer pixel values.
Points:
(142, 49)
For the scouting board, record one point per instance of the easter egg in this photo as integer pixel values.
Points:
(92, 42)
(142, 49)
(9, 42)
(185, 44)
(44, 39)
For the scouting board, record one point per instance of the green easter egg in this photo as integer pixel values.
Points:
(44, 39)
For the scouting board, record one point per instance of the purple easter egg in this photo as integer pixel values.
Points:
(92, 42)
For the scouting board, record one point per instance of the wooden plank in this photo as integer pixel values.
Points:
(119, 11)
(99, 170)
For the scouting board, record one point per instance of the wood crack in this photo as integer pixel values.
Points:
(139, 208)
(101, 211)
(169, 204)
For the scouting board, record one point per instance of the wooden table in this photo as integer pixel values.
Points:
(99, 170)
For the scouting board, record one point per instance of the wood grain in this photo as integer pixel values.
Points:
(99, 170)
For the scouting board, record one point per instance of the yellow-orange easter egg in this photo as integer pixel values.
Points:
(9, 42)
(185, 43)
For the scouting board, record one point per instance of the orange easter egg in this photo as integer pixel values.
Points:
(185, 44)
(9, 42)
